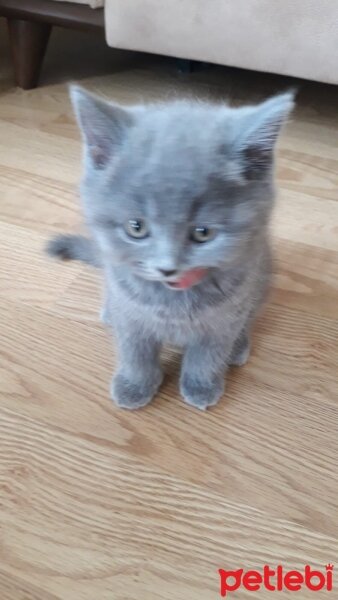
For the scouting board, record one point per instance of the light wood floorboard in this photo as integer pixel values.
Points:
(101, 504)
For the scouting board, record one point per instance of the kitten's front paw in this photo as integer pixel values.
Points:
(131, 394)
(201, 394)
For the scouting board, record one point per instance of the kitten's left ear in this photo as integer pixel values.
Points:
(104, 126)
(260, 128)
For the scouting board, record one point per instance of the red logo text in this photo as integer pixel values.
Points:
(277, 579)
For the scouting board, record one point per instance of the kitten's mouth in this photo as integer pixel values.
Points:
(187, 280)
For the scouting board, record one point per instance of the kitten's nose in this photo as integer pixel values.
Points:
(167, 273)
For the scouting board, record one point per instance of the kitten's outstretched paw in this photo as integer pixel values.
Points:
(131, 394)
(201, 394)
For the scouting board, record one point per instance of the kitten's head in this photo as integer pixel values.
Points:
(174, 190)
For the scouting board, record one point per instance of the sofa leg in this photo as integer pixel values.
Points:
(28, 41)
(184, 66)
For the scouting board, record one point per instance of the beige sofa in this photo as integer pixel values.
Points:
(291, 37)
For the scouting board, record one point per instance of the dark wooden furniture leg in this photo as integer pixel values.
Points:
(29, 41)
(30, 23)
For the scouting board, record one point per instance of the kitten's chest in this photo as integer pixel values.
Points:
(176, 317)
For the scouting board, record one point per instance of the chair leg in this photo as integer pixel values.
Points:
(28, 41)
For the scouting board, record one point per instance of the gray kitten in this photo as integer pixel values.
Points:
(178, 199)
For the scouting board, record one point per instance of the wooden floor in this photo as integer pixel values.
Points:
(101, 504)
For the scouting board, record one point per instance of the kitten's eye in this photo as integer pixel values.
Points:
(137, 228)
(202, 234)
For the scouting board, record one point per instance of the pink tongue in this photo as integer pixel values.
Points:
(189, 278)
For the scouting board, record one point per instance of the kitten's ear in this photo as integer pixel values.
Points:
(103, 125)
(260, 127)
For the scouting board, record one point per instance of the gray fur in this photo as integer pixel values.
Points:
(179, 165)
(74, 247)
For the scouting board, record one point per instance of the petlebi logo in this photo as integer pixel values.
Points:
(276, 579)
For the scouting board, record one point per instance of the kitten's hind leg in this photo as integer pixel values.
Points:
(105, 317)
(241, 350)
(105, 312)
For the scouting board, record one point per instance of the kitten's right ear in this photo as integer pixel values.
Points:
(104, 126)
(260, 130)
